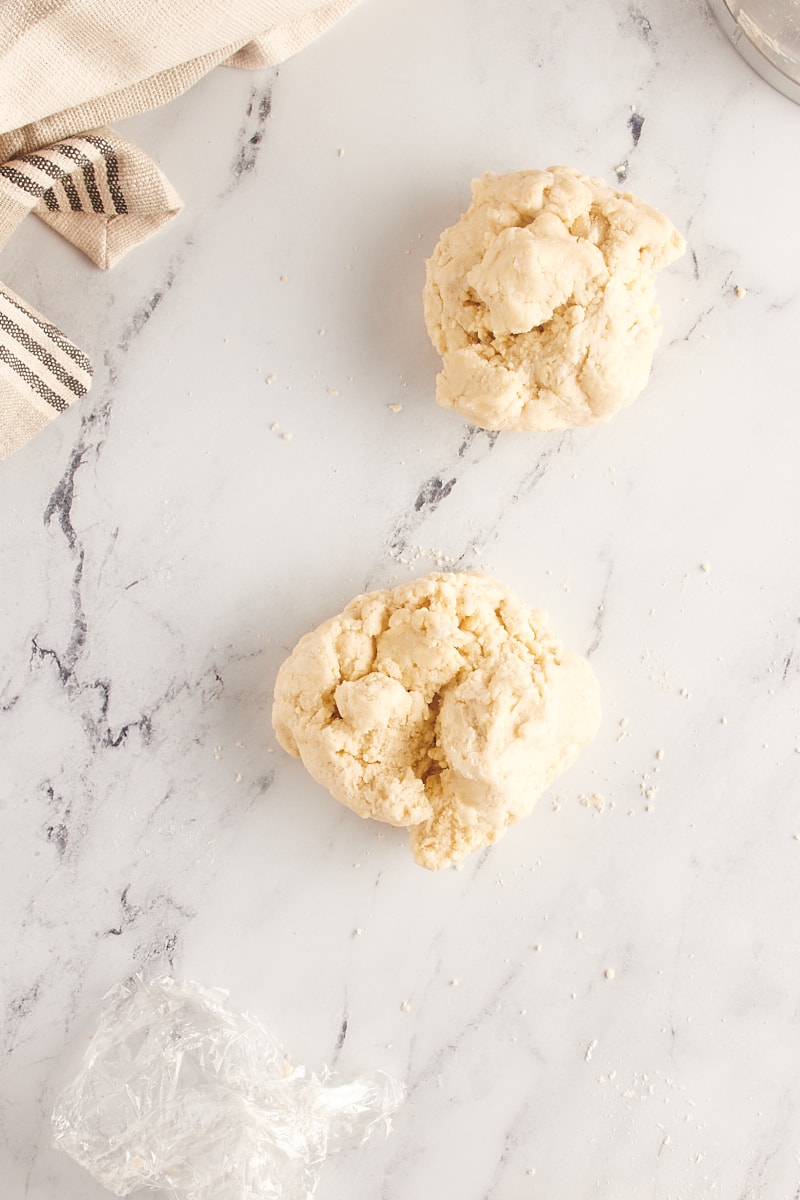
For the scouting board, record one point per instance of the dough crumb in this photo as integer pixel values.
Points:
(332, 391)
(340, 152)
(445, 706)
(270, 378)
(405, 1006)
(705, 567)
(595, 801)
(395, 407)
(659, 755)
(541, 300)
(610, 973)
(590, 1049)
(284, 278)
(454, 982)
(287, 437)
(739, 292)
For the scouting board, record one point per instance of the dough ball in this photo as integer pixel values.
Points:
(445, 705)
(541, 300)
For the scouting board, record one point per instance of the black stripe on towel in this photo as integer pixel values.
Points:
(33, 381)
(44, 356)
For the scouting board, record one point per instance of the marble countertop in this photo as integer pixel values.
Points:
(164, 545)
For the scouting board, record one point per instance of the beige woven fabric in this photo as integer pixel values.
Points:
(41, 372)
(67, 69)
(98, 190)
(60, 54)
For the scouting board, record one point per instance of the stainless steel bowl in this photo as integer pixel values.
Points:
(767, 35)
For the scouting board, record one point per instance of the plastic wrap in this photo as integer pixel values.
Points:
(177, 1093)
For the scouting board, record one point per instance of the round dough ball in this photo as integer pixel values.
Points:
(541, 300)
(445, 705)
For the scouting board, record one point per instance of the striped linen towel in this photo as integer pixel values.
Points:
(67, 68)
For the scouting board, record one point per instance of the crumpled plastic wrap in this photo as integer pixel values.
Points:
(177, 1093)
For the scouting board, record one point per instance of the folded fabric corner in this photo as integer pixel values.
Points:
(287, 38)
(98, 190)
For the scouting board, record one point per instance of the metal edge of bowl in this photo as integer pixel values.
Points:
(755, 58)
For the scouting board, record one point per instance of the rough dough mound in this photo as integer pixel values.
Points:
(541, 300)
(445, 705)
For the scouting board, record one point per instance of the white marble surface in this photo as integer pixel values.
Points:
(163, 549)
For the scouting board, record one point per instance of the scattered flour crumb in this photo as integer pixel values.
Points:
(595, 801)
(739, 292)
(395, 407)
(287, 437)
(723, 720)
(531, 1171)
(333, 391)
(218, 753)
(284, 278)
(274, 427)
(573, 995)
(454, 982)
(650, 793)
(590, 1049)
(537, 947)
(270, 378)
(322, 331)
(237, 777)
(578, 935)
(610, 973)
(241, 745)
(340, 152)
(358, 931)
(405, 1006)
(705, 567)
(659, 755)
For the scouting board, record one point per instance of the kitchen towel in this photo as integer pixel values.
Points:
(68, 68)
